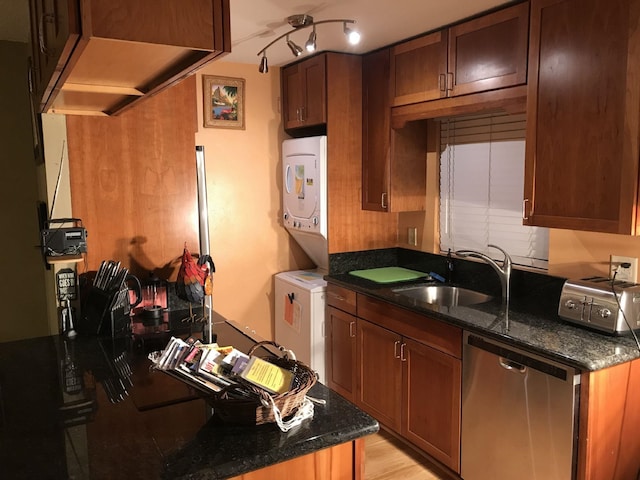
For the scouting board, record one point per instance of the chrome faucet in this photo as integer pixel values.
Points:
(503, 271)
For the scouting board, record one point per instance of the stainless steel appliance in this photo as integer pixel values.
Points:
(598, 302)
(519, 414)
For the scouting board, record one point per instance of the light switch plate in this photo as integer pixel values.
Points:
(412, 236)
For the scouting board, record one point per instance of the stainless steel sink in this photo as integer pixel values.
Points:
(444, 295)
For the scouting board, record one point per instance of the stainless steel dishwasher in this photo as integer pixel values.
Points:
(519, 414)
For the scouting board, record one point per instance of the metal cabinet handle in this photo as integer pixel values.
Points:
(49, 18)
(352, 330)
(383, 200)
(395, 349)
(302, 112)
(403, 358)
(524, 209)
(30, 76)
(442, 82)
(449, 81)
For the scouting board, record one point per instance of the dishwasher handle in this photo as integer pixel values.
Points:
(511, 365)
(516, 359)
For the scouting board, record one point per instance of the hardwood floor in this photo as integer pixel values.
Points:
(386, 458)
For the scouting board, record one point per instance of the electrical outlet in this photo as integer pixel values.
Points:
(412, 236)
(626, 274)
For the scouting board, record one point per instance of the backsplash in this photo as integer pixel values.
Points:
(538, 293)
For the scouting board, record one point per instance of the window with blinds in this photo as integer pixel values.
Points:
(481, 189)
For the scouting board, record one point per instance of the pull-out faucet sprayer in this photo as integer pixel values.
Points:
(503, 271)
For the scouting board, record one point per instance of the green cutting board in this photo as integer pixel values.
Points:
(388, 274)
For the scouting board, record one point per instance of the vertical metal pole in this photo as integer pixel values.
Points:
(203, 223)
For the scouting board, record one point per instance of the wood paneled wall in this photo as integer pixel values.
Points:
(133, 182)
(351, 228)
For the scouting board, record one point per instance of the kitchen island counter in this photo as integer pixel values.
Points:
(92, 408)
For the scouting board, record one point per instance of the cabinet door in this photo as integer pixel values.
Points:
(55, 29)
(304, 93)
(489, 52)
(581, 161)
(431, 413)
(341, 357)
(291, 96)
(376, 113)
(418, 69)
(315, 103)
(380, 369)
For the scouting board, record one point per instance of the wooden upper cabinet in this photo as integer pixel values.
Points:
(55, 29)
(120, 51)
(418, 69)
(485, 53)
(393, 161)
(376, 113)
(304, 93)
(581, 161)
(489, 52)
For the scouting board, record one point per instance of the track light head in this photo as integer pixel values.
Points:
(311, 43)
(295, 49)
(352, 35)
(264, 65)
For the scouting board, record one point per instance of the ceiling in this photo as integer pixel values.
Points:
(255, 23)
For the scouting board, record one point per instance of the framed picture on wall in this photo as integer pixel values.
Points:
(223, 102)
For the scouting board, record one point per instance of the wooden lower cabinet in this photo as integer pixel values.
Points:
(431, 404)
(411, 388)
(341, 352)
(609, 442)
(380, 373)
(342, 462)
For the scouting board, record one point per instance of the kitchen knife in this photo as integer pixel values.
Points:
(98, 277)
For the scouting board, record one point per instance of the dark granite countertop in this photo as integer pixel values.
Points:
(91, 408)
(525, 324)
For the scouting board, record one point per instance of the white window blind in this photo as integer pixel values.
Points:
(481, 189)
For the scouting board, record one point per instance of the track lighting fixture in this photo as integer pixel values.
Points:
(352, 36)
(311, 43)
(295, 49)
(300, 22)
(264, 66)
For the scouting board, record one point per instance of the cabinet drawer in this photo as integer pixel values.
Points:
(432, 332)
(341, 298)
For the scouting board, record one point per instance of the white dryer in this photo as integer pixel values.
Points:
(304, 199)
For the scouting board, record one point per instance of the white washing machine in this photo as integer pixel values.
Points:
(299, 316)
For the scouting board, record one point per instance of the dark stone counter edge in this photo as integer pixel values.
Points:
(354, 424)
(580, 348)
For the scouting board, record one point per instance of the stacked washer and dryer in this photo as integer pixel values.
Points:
(300, 294)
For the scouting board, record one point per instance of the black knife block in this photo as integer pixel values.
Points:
(99, 319)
